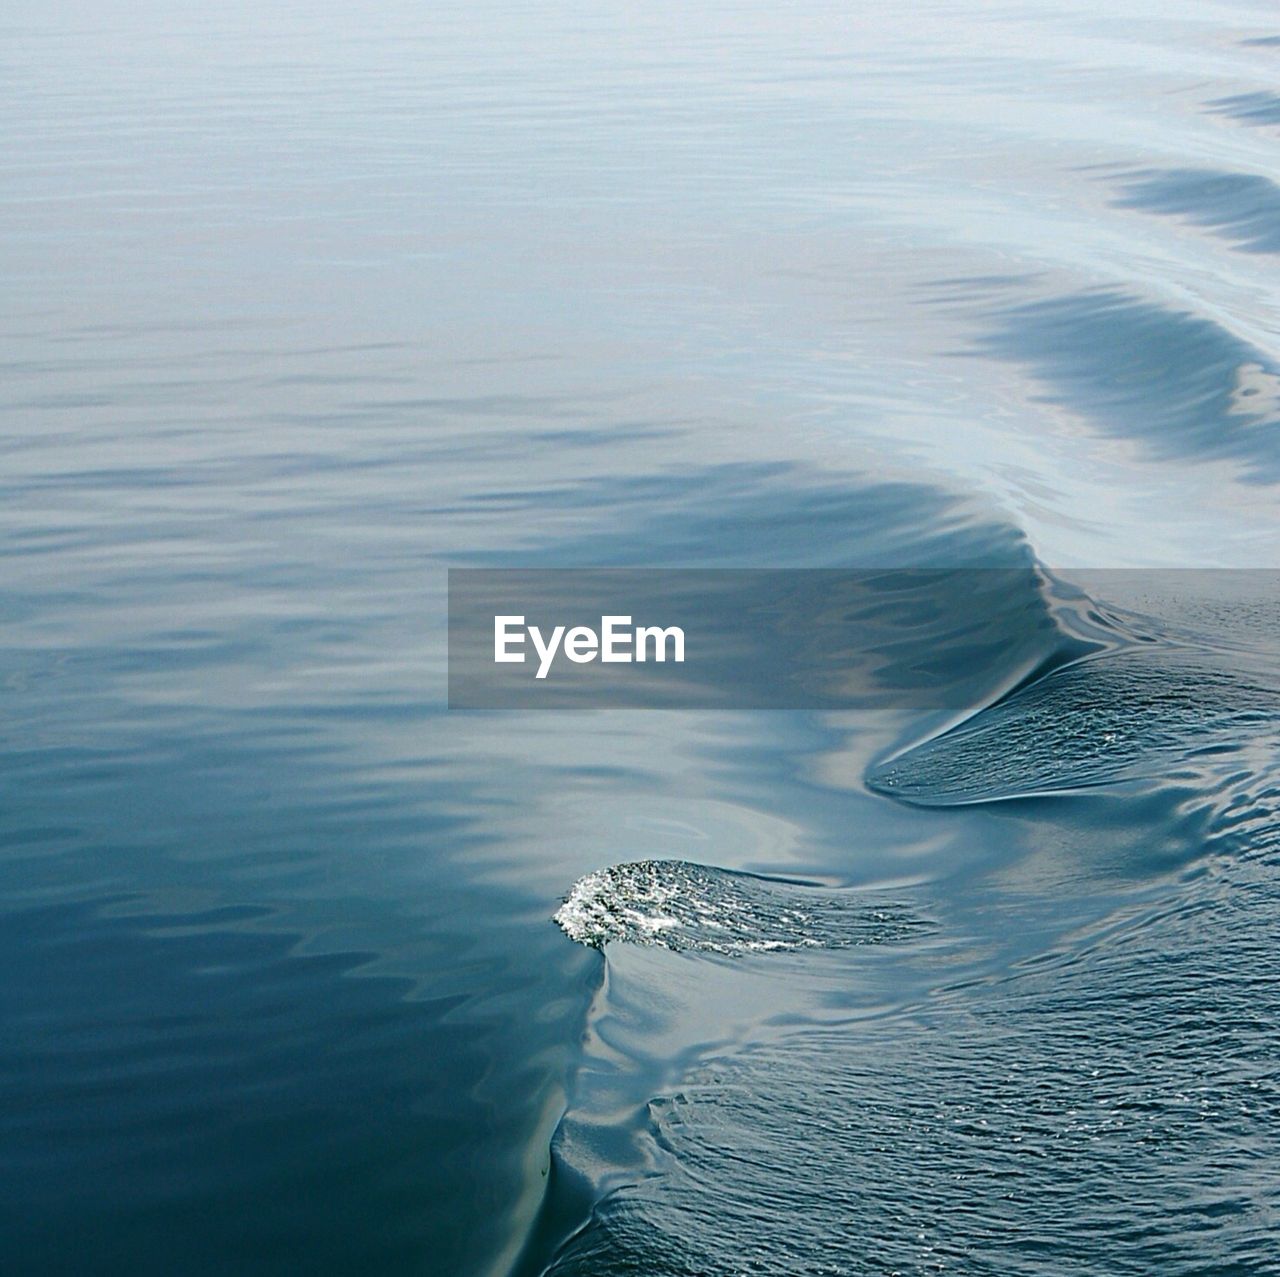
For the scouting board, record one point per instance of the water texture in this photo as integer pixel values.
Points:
(682, 906)
(306, 305)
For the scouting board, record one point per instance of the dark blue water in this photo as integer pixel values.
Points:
(305, 305)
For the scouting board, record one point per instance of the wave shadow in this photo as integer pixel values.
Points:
(1243, 208)
(1261, 108)
(1181, 385)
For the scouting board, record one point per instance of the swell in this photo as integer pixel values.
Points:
(1116, 717)
(982, 1137)
(777, 1155)
(1163, 698)
(1241, 208)
(663, 920)
(610, 1137)
(1122, 1088)
(975, 1133)
(1179, 384)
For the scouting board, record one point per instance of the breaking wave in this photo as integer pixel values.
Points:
(682, 906)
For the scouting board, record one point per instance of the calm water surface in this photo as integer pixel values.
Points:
(305, 305)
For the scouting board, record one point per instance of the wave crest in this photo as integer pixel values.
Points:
(683, 906)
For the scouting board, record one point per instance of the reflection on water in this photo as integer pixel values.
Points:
(1241, 207)
(307, 304)
(1172, 381)
(1262, 107)
(1110, 1112)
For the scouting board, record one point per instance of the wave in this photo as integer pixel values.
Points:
(1181, 385)
(1119, 1088)
(869, 1151)
(975, 1132)
(1260, 108)
(1196, 688)
(1243, 208)
(683, 906)
(1111, 718)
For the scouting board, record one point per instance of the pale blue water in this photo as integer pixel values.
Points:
(304, 306)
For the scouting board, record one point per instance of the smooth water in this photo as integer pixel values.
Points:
(305, 305)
